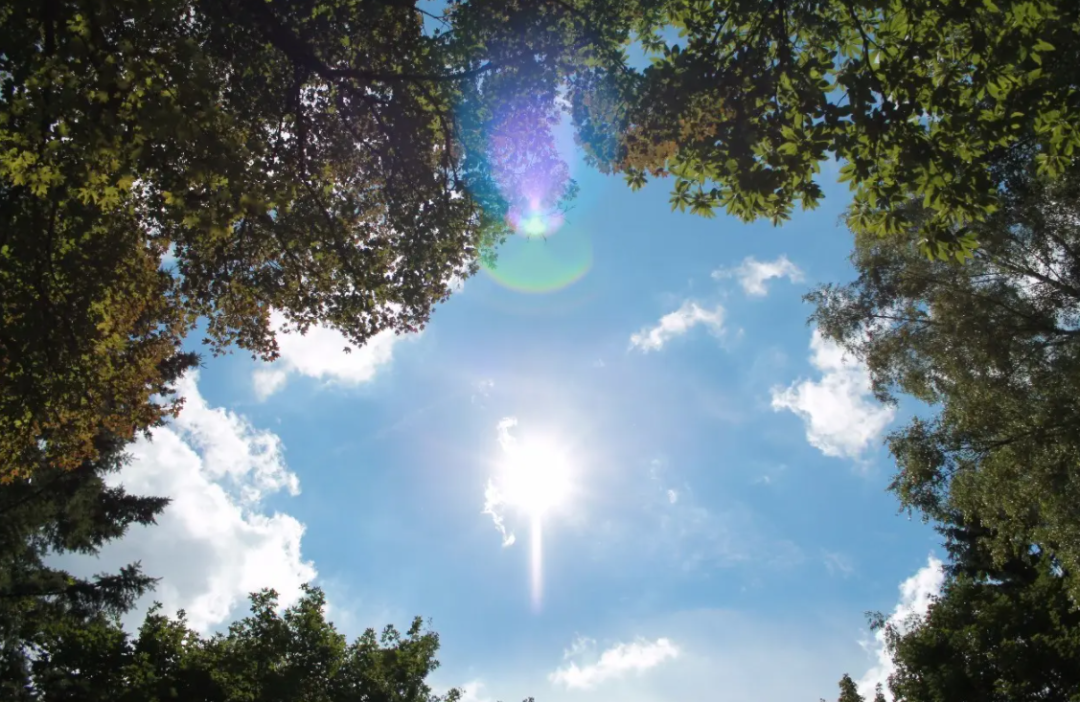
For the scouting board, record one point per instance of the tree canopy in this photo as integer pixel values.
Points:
(915, 97)
(997, 631)
(991, 347)
(342, 163)
(59, 512)
(849, 692)
(275, 149)
(273, 654)
(61, 637)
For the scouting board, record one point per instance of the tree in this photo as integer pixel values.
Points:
(270, 655)
(56, 512)
(914, 97)
(995, 633)
(992, 348)
(61, 638)
(303, 157)
(849, 692)
(60, 511)
(336, 162)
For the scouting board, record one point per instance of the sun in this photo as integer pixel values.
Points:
(536, 477)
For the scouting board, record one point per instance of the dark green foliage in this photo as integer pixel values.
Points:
(269, 656)
(849, 692)
(992, 346)
(999, 632)
(62, 511)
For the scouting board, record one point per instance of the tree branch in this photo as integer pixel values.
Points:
(286, 41)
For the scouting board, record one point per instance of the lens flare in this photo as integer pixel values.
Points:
(528, 162)
(535, 223)
(542, 264)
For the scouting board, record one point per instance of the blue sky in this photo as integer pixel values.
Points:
(726, 524)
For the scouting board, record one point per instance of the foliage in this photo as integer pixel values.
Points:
(60, 512)
(849, 692)
(997, 632)
(991, 347)
(60, 636)
(86, 329)
(913, 97)
(295, 156)
(337, 162)
(270, 655)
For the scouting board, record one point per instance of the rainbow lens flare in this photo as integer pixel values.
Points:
(537, 263)
(530, 168)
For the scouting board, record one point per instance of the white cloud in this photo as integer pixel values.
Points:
(842, 418)
(723, 653)
(320, 353)
(673, 496)
(213, 544)
(753, 274)
(494, 500)
(614, 663)
(269, 380)
(916, 595)
(677, 323)
(506, 439)
(473, 691)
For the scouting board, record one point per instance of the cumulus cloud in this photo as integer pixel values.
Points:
(841, 416)
(753, 274)
(916, 595)
(616, 662)
(494, 499)
(320, 353)
(726, 652)
(214, 543)
(678, 323)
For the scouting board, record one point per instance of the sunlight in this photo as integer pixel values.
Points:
(536, 477)
(534, 225)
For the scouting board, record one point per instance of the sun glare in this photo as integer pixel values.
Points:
(536, 477)
(533, 226)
